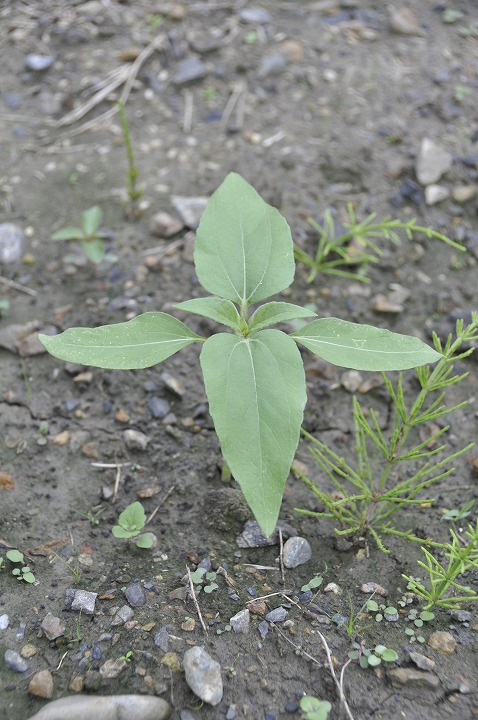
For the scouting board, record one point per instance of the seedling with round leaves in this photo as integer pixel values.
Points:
(89, 235)
(314, 709)
(130, 523)
(372, 658)
(254, 375)
(205, 579)
(23, 572)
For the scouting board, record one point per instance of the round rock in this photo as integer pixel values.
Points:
(112, 707)
(296, 551)
(15, 662)
(135, 595)
(203, 675)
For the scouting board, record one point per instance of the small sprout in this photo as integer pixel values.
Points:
(314, 709)
(372, 605)
(89, 235)
(313, 584)
(130, 523)
(457, 514)
(15, 556)
(23, 573)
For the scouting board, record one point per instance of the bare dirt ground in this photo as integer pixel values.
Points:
(317, 104)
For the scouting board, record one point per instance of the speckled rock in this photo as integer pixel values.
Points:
(443, 642)
(203, 675)
(296, 551)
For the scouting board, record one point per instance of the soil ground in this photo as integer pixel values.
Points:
(317, 104)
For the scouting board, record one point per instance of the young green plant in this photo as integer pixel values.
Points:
(370, 492)
(130, 523)
(133, 189)
(254, 375)
(89, 235)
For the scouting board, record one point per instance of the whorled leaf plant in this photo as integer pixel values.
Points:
(254, 376)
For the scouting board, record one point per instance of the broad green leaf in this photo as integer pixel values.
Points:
(144, 541)
(256, 392)
(222, 311)
(139, 343)
(244, 250)
(363, 347)
(91, 220)
(275, 312)
(120, 532)
(389, 655)
(15, 556)
(133, 517)
(69, 233)
(94, 250)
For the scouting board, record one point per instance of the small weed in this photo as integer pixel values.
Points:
(372, 658)
(21, 573)
(127, 657)
(313, 584)
(227, 628)
(461, 92)
(4, 307)
(334, 254)
(251, 37)
(134, 190)
(382, 611)
(457, 514)
(89, 235)
(207, 580)
(461, 556)
(314, 709)
(130, 523)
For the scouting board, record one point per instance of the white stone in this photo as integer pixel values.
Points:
(432, 162)
(435, 194)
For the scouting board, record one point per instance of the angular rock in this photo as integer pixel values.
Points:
(443, 642)
(135, 594)
(189, 209)
(372, 587)
(41, 684)
(241, 621)
(203, 675)
(161, 639)
(4, 621)
(462, 616)
(296, 551)
(432, 162)
(421, 661)
(38, 63)
(164, 225)
(189, 70)
(135, 440)
(53, 627)
(351, 380)
(15, 662)
(112, 707)
(403, 21)
(413, 678)
(124, 614)
(11, 243)
(435, 194)
(112, 668)
(279, 614)
(84, 602)
(158, 407)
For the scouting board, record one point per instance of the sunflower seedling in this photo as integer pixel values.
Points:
(130, 523)
(254, 375)
(89, 235)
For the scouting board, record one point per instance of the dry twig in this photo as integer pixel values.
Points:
(193, 593)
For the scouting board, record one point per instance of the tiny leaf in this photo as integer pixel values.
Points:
(372, 605)
(275, 312)
(139, 343)
(426, 615)
(374, 661)
(389, 655)
(120, 532)
(29, 577)
(133, 518)
(218, 309)
(15, 556)
(363, 347)
(69, 233)
(144, 542)
(198, 575)
(209, 588)
(244, 250)
(94, 250)
(91, 220)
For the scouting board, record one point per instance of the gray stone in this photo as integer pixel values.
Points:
(135, 594)
(112, 668)
(172, 384)
(296, 551)
(11, 243)
(189, 70)
(158, 407)
(38, 62)
(464, 193)
(351, 380)
(460, 615)
(272, 64)
(435, 194)
(279, 614)
(4, 621)
(135, 440)
(432, 162)
(53, 627)
(203, 675)
(124, 614)
(84, 601)
(421, 661)
(112, 707)
(413, 678)
(255, 16)
(189, 209)
(164, 225)
(240, 622)
(373, 587)
(15, 662)
(161, 639)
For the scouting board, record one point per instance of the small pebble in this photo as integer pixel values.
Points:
(53, 627)
(421, 661)
(161, 639)
(135, 595)
(124, 614)
(189, 209)
(432, 162)
(279, 614)
(333, 588)
(263, 628)
(4, 622)
(460, 615)
(189, 70)
(164, 225)
(158, 407)
(435, 194)
(135, 440)
(111, 707)
(240, 622)
(413, 678)
(203, 675)
(112, 668)
(443, 642)
(296, 551)
(38, 62)
(255, 16)
(11, 243)
(372, 587)
(15, 662)
(84, 602)
(41, 684)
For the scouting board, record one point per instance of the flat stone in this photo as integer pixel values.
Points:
(255, 16)
(296, 551)
(15, 662)
(124, 614)
(464, 193)
(4, 621)
(443, 642)
(462, 616)
(435, 194)
(189, 209)
(38, 62)
(413, 678)
(84, 602)
(203, 675)
(432, 162)
(421, 661)
(11, 243)
(53, 627)
(112, 668)
(135, 595)
(164, 225)
(41, 684)
(158, 407)
(241, 621)
(112, 707)
(373, 587)
(135, 440)
(189, 70)
(404, 21)
(351, 380)
(272, 64)
(279, 614)
(161, 639)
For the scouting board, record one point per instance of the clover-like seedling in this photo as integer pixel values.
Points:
(314, 709)
(89, 235)
(372, 658)
(130, 523)
(253, 374)
(21, 573)
(205, 579)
